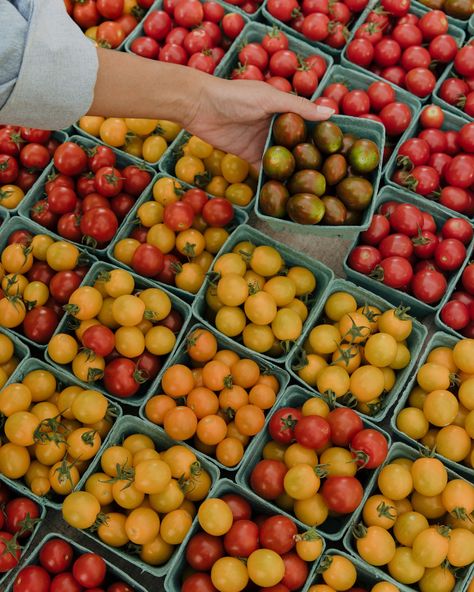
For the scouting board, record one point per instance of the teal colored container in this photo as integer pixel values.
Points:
(323, 274)
(61, 137)
(335, 52)
(447, 297)
(19, 223)
(334, 527)
(260, 507)
(417, 9)
(140, 284)
(254, 33)
(354, 79)
(471, 25)
(22, 351)
(418, 308)
(114, 573)
(450, 73)
(171, 157)
(52, 500)
(130, 222)
(127, 426)
(158, 5)
(4, 215)
(37, 192)
(26, 547)
(415, 342)
(362, 128)
(181, 357)
(398, 450)
(439, 339)
(468, 579)
(451, 122)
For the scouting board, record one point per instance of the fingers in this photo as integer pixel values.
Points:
(285, 102)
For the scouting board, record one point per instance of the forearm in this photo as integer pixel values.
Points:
(130, 86)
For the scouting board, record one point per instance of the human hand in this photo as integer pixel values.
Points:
(235, 115)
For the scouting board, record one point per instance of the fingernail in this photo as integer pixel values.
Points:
(325, 110)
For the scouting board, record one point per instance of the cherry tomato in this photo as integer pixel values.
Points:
(344, 424)
(342, 494)
(56, 556)
(370, 447)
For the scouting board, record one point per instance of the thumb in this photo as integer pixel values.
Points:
(284, 102)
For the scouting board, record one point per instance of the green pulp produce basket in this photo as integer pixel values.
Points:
(223, 487)
(21, 350)
(127, 426)
(451, 122)
(114, 573)
(336, 52)
(447, 297)
(240, 218)
(4, 215)
(141, 284)
(171, 157)
(334, 527)
(181, 357)
(323, 274)
(19, 223)
(417, 307)
(471, 25)
(449, 73)
(416, 9)
(60, 136)
(439, 339)
(398, 450)
(158, 5)
(254, 33)
(415, 342)
(362, 128)
(354, 79)
(37, 191)
(52, 500)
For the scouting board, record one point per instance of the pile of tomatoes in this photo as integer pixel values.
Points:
(216, 398)
(219, 173)
(149, 497)
(8, 358)
(405, 249)
(318, 20)
(458, 312)
(353, 352)
(304, 168)
(122, 332)
(230, 529)
(439, 163)
(440, 407)
(107, 22)
(51, 433)
(177, 235)
(87, 196)
(19, 519)
(273, 61)
(58, 569)
(339, 574)
(458, 89)
(24, 153)
(248, 296)
(143, 138)
(311, 459)
(403, 48)
(38, 274)
(189, 32)
(396, 532)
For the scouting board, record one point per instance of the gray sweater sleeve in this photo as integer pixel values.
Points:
(48, 68)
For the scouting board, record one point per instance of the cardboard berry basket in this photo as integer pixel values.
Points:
(63, 380)
(140, 284)
(417, 307)
(362, 128)
(127, 426)
(415, 343)
(127, 226)
(334, 527)
(37, 191)
(439, 339)
(398, 450)
(181, 357)
(323, 274)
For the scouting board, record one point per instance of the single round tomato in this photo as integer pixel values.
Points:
(267, 478)
(242, 539)
(282, 424)
(70, 159)
(56, 556)
(39, 324)
(120, 378)
(342, 494)
(100, 224)
(32, 578)
(429, 286)
(370, 447)
(344, 424)
(89, 570)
